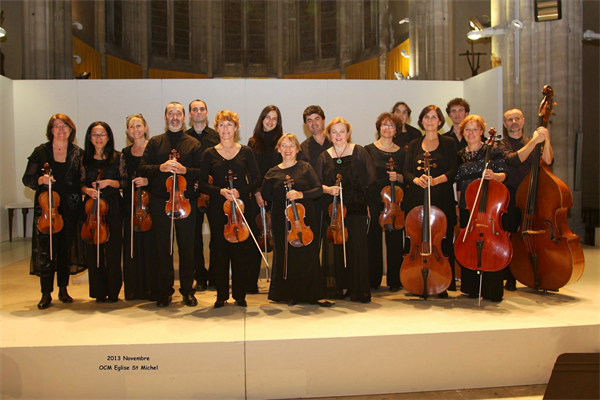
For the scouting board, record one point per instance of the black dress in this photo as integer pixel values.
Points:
(305, 281)
(442, 196)
(247, 178)
(358, 174)
(106, 278)
(140, 274)
(394, 240)
(470, 169)
(68, 254)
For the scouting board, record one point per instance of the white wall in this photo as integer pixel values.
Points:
(359, 102)
(7, 165)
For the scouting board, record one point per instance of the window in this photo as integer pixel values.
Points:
(114, 22)
(317, 30)
(170, 29)
(244, 32)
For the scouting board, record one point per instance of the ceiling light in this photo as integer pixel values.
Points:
(77, 25)
(591, 35)
(404, 21)
(2, 32)
(77, 59)
(404, 53)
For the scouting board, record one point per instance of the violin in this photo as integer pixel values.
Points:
(236, 230)
(337, 233)
(94, 230)
(482, 245)
(204, 198)
(263, 222)
(178, 206)
(548, 254)
(50, 221)
(141, 221)
(298, 234)
(425, 270)
(392, 216)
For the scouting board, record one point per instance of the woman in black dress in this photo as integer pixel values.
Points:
(267, 132)
(381, 151)
(139, 272)
(304, 280)
(408, 133)
(105, 279)
(443, 154)
(471, 165)
(65, 160)
(217, 162)
(358, 173)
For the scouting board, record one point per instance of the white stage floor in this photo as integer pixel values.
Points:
(394, 344)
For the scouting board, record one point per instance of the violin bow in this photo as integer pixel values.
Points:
(342, 218)
(235, 202)
(132, 191)
(98, 220)
(49, 203)
(263, 217)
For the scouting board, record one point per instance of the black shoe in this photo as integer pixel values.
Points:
(511, 286)
(101, 300)
(365, 300)
(112, 299)
(190, 300)
(292, 302)
(394, 289)
(164, 301)
(219, 304)
(252, 291)
(200, 287)
(63, 295)
(211, 284)
(45, 301)
(325, 303)
(443, 295)
(241, 303)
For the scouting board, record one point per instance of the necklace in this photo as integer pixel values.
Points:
(383, 147)
(472, 155)
(339, 157)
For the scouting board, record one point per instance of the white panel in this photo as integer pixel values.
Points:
(8, 183)
(484, 94)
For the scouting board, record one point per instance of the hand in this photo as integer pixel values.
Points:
(422, 181)
(488, 174)
(294, 195)
(230, 194)
(102, 184)
(540, 135)
(139, 181)
(259, 199)
(173, 166)
(333, 190)
(393, 175)
(45, 180)
(91, 192)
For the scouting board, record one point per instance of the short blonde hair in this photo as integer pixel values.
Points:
(132, 118)
(473, 118)
(291, 137)
(226, 115)
(339, 120)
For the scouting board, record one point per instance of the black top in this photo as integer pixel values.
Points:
(460, 144)
(116, 170)
(517, 170)
(305, 181)
(381, 159)
(471, 165)
(310, 150)
(403, 139)
(270, 157)
(208, 137)
(158, 151)
(446, 159)
(247, 178)
(132, 163)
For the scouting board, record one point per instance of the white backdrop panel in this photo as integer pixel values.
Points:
(7, 151)
(484, 94)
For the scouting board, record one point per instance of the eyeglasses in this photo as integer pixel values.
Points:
(134, 115)
(390, 126)
(59, 127)
(98, 135)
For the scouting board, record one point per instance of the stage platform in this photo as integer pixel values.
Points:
(395, 344)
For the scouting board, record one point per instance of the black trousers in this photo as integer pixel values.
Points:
(60, 258)
(184, 231)
(201, 273)
(106, 278)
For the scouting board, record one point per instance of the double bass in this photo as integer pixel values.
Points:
(426, 270)
(547, 254)
(483, 245)
(392, 216)
(50, 221)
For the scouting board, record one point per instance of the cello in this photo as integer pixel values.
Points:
(236, 229)
(392, 216)
(548, 254)
(50, 221)
(425, 270)
(482, 245)
(178, 206)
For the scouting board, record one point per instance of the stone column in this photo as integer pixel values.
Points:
(384, 36)
(544, 53)
(136, 34)
(47, 39)
(100, 33)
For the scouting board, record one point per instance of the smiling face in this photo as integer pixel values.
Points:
(174, 117)
(339, 134)
(288, 150)
(99, 138)
(270, 121)
(402, 112)
(136, 129)
(472, 132)
(60, 130)
(315, 124)
(387, 129)
(226, 129)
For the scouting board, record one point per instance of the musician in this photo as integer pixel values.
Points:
(105, 278)
(471, 167)
(157, 167)
(312, 147)
(198, 116)
(267, 132)
(443, 153)
(381, 151)
(408, 132)
(518, 152)
(217, 162)
(457, 109)
(140, 273)
(358, 173)
(304, 280)
(65, 160)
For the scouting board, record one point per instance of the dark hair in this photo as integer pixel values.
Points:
(193, 101)
(385, 116)
(310, 110)
(89, 148)
(175, 102)
(257, 141)
(401, 103)
(458, 102)
(432, 108)
(64, 118)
